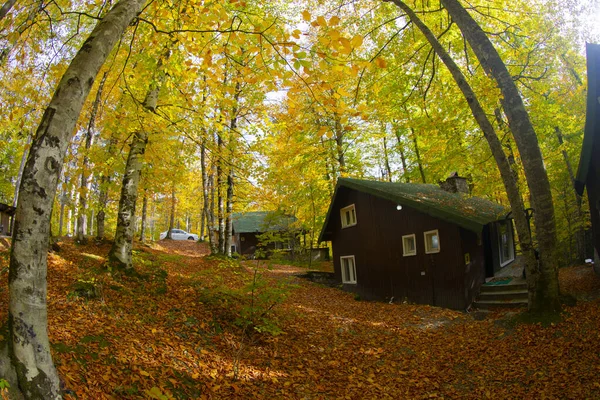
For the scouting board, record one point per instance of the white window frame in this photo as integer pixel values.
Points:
(509, 231)
(352, 209)
(347, 279)
(406, 252)
(428, 250)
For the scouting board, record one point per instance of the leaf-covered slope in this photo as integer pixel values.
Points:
(161, 335)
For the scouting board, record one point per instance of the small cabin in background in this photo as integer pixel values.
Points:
(6, 214)
(416, 242)
(588, 173)
(265, 230)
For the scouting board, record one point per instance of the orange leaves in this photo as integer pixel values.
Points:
(137, 342)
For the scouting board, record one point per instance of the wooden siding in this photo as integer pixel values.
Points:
(474, 270)
(383, 272)
(593, 190)
(249, 243)
(5, 223)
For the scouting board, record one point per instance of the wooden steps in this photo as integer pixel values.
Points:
(512, 294)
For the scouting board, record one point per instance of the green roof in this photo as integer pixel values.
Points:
(260, 221)
(471, 213)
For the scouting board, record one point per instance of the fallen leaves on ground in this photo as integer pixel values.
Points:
(159, 336)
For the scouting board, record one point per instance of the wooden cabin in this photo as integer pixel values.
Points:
(416, 242)
(6, 214)
(251, 232)
(588, 173)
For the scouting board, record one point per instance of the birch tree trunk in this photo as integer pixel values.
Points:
(204, 187)
(543, 280)
(25, 358)
(120, 254)
(506, 172)
(211, 214)
(103, 196)
(84, 187)
(220, 197)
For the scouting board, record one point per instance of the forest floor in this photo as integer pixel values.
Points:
(190, 326)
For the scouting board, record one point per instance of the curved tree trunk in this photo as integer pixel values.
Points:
(543, 280)
(25, 357)
(506, 173)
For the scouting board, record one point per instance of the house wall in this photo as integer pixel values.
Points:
(593, 190)
(248, 243)
(5, 222)
(383, 272)
(475, 269)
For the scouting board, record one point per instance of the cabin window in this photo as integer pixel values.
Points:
(505, 243)
(348, 215)
(348, 269)
(409, 245)
(432, 242)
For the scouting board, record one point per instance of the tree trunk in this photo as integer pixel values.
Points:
(144, 216)
(580, 231)
(543, 280)
(220, 197)
(386, 159)
(84, 187)
(228, 220)
(6, 8)
(339, 145)
(172, 214)
(506, 173)
(400, 148)
(418, 154)
(25, 357)
(103, 201)
(210, 217)
(103, 196)
(204, 187)
(120, 253)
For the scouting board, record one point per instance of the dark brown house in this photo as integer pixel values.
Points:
(588, 174)
(6, 214)
(268, 230)
(416, 242)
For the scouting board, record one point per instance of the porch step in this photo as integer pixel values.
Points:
(512, 285)
(486, 305)
(503, 295)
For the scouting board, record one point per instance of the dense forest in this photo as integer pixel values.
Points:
(122, 119)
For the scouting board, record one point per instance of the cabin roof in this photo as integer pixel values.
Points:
(471, 213)
(592, 117)
(260, 221)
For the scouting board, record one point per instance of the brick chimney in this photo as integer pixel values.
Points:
(455, 184)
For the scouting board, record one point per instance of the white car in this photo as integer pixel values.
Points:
(178, 234)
